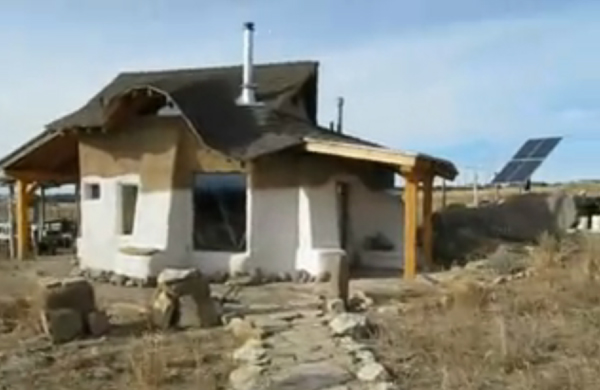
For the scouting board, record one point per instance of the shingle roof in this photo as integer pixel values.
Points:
(275, 84)
(283, 118)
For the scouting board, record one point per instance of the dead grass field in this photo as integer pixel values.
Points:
(541, 332)
(131, 356)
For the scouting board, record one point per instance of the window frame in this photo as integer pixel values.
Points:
(243, 236)
(121, 210)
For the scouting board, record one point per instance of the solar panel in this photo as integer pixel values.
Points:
(527, 159)
(527, 148)
(545, 148)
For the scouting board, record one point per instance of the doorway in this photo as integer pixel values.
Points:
(342, 191)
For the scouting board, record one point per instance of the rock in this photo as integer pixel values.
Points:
(364, 356)
(180, 282)
(72, 293)
(324, 277)
(150, 282)
(164, 311)
(311, 376)
(98, 323)
(256, 277)
(336, 306)
(287, 316)
(272, 325)
(500, 280)
(383, 386)
(188, 317)
(339, 282)
(564, 209)
(371, 372)
(218, 277)
(129, 282)
(360, 301)
(252, 352)
(284, 277)
(301, 276)
(95, 274)
(76, 272)
(62, 325)
(245, 329)
(118, 280)
(101, 373)
(208, 312)
(246, 377)
(349, 324)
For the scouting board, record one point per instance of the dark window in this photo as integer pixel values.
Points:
(220, 212)
(129, 194)
(91, 191)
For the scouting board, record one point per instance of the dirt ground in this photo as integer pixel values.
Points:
(526, 318)
(132, 357)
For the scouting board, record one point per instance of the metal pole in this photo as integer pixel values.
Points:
(340, 112)
(475, 189)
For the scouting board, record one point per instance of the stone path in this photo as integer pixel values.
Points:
(297, 353)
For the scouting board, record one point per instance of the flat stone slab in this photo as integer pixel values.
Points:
(311, 376)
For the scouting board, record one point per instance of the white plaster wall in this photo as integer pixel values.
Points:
(154, 228)
(373, 212)
(274, 228)
(318, 227)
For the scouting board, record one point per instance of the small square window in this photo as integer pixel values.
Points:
(129, 196)
(91, 191)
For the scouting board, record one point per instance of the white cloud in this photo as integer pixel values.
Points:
(490, 79)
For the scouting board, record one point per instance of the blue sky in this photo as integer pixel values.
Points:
(468, 80)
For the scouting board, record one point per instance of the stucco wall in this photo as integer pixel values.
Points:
(292, 220)
(160, 155)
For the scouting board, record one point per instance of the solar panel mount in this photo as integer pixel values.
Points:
(526, 161)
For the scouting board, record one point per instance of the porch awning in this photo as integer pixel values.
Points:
(407, 161)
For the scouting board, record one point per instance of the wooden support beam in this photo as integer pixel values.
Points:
(427, 213)
(411, 189)
(36, 176)
(23, 228)
(31, 187)
(11, 220)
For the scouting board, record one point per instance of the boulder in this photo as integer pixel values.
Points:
(371, 372)
(252, 352)
(349, 324)
(164, 311)
(178, 281)
(246, 377)
(62, 325)
(98, 323)
(207, 311)
(72, 293)
(245, 329)
(339, 282)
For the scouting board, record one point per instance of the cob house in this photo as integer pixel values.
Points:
(226, 169)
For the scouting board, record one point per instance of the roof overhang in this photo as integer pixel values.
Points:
(407, 162)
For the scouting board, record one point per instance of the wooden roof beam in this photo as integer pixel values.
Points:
(408, 162)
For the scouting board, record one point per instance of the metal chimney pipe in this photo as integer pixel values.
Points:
(340, 112)
(248, 87)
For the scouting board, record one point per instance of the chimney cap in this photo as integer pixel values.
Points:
(249, 26)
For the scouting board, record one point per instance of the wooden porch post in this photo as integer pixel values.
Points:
(411, 188)
(23, 232)
(427, 220)
(11, 220)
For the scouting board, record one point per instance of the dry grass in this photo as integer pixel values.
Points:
(19, 315)
(160, 361)
(537, 333)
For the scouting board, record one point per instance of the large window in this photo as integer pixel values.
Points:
(220, 212)
(129, 195)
